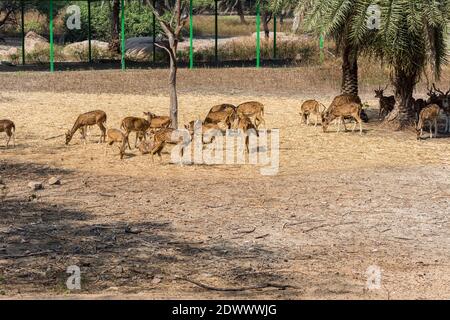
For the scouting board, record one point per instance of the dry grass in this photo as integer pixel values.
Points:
(340, 202)
(230, 26)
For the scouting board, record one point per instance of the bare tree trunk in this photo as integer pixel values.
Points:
(403, 114)
(349, 70)
(114, 45)
(173, 93)
(240, 11)
(267, 16)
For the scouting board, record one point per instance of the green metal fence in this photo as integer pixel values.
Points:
(91, 10)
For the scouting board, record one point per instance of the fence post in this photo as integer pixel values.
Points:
(191, 35)
(52, 52)
(23, 29)
(122, 31)
(274, 36)
(89, 31)
(216, 58)
(154, 32)
(258, 26)
(321, 46)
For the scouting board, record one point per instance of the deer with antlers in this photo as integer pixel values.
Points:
(441, 99)
(387, 103)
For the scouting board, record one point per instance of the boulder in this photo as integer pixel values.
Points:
(35, 42)
(35, 185)
(83, 47)
(54, 181)
(139, 48)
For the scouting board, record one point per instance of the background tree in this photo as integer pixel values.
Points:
(412, 36)
(172, 16)
(333, 19)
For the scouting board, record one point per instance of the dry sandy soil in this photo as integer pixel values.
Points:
(339, 204)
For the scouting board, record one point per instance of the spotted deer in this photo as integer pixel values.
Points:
(428, 114)
(97, 117)
(386, 103)
(134, 124)
(351, 109)
(346, 98)
(9, 128)
(157, 122)
(116, 136)
(253, 110)
(158, 141)
(309, 108)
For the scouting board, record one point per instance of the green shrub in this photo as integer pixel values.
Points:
(138, 22)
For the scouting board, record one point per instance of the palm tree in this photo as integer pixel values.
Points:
(411, 37)
(334, 19)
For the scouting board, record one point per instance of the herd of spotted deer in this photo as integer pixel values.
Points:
(247, 117)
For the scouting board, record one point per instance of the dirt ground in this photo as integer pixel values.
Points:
(339, 204)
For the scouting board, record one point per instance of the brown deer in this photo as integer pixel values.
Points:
(252, 109)
(223, 107)
(443, 101)
(134, 124)
(351, 109)
(246, 126)
(113, 136)
(97, 117)
(348, 98)
(158, 141)
(207, 129)
(387, 103)
(309, 108)
(9, 128)
(430, 113)
(158, 122)
(218, 117)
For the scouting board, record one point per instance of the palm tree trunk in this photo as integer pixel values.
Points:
(403, 114)
(349, 70)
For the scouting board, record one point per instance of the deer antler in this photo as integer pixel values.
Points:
(437, 90)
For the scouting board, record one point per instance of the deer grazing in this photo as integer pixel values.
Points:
(431, 114)
(157, 142)
(351, 109)
(134, 124)
(253, 110)
(158, 122)
(207, 129)
(309, 108)
(229, 108)
(9, 128)
(97, 117)
(116, 136)
(246, 126)
(349, 98)
(387, 103)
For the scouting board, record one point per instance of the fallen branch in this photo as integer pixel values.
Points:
(256, 287)
(54, 137)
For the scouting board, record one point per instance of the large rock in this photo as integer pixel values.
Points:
(99, 48)
(139, 48)
(35, 42)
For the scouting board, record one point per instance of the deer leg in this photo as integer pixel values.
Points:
(343, 122)
(339, 125)
(8, 137)
(103, 130)
(317, 120)
(435, 128)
